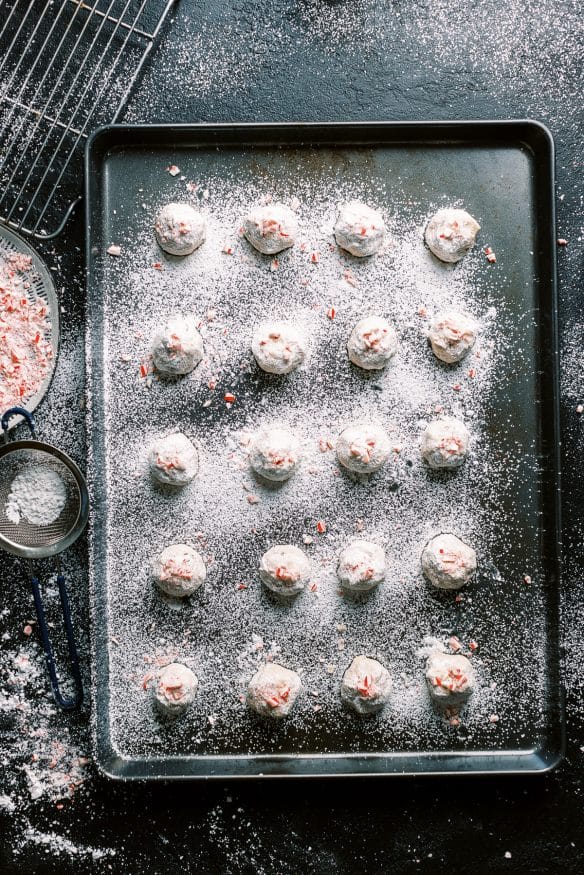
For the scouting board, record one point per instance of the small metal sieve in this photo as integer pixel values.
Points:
(30, 540)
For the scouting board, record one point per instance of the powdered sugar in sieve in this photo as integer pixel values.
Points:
(38, 494)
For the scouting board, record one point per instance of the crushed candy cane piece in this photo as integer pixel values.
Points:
(114, 249)
(173, 170)
(26, 352)
(331, 313)
(321, 527)
(349, 278)
(562, 241)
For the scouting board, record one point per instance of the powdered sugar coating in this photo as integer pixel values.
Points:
(175, 687)
(366, 685)
(445, 442)
(173, 460)
(275, 453)
(278, 347)
(360, 229)
(361, 566)
(372, 343)
(447, 562)
(273, 690)
(177, 347)
(180, 229)
(363, 447)
(178, 570)
(450, 678)
(452, 335)
(285, 569)
(451, 233)
(271, 228)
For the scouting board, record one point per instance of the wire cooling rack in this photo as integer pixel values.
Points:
(66, 67)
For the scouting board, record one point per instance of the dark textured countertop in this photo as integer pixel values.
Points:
(328, 60)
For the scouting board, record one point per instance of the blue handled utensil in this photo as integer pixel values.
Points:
(31, 540)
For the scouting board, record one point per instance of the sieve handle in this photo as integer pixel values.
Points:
(76, 700)
(17, 411)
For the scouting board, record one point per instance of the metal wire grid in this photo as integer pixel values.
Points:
(66, 67)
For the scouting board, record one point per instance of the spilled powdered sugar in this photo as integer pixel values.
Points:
(227, 629)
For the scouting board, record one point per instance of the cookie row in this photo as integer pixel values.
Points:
(447, 563)
(273, 227)
(279, 347)
(275, 453)
(366, 686)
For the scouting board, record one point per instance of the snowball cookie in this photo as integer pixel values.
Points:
(359, 229)
(177, 346)
(447, 562)
(363, 447)
(450, 678)
(178, 570)
(372, 344)
(361, 566)
(452, 335)
(175, 688)
(275, 453)
(180, 229)
(271, 228)
(285, 569)
(445, 442)
(173, 460)
(273, 690)
(450, 234)
(278, 347)
(366, 685)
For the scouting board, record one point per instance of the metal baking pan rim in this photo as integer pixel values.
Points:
(468, 127)
(120, 769)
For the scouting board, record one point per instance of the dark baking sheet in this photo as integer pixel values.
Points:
(523, 152)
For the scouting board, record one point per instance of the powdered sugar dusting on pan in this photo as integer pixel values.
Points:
(226, 630)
